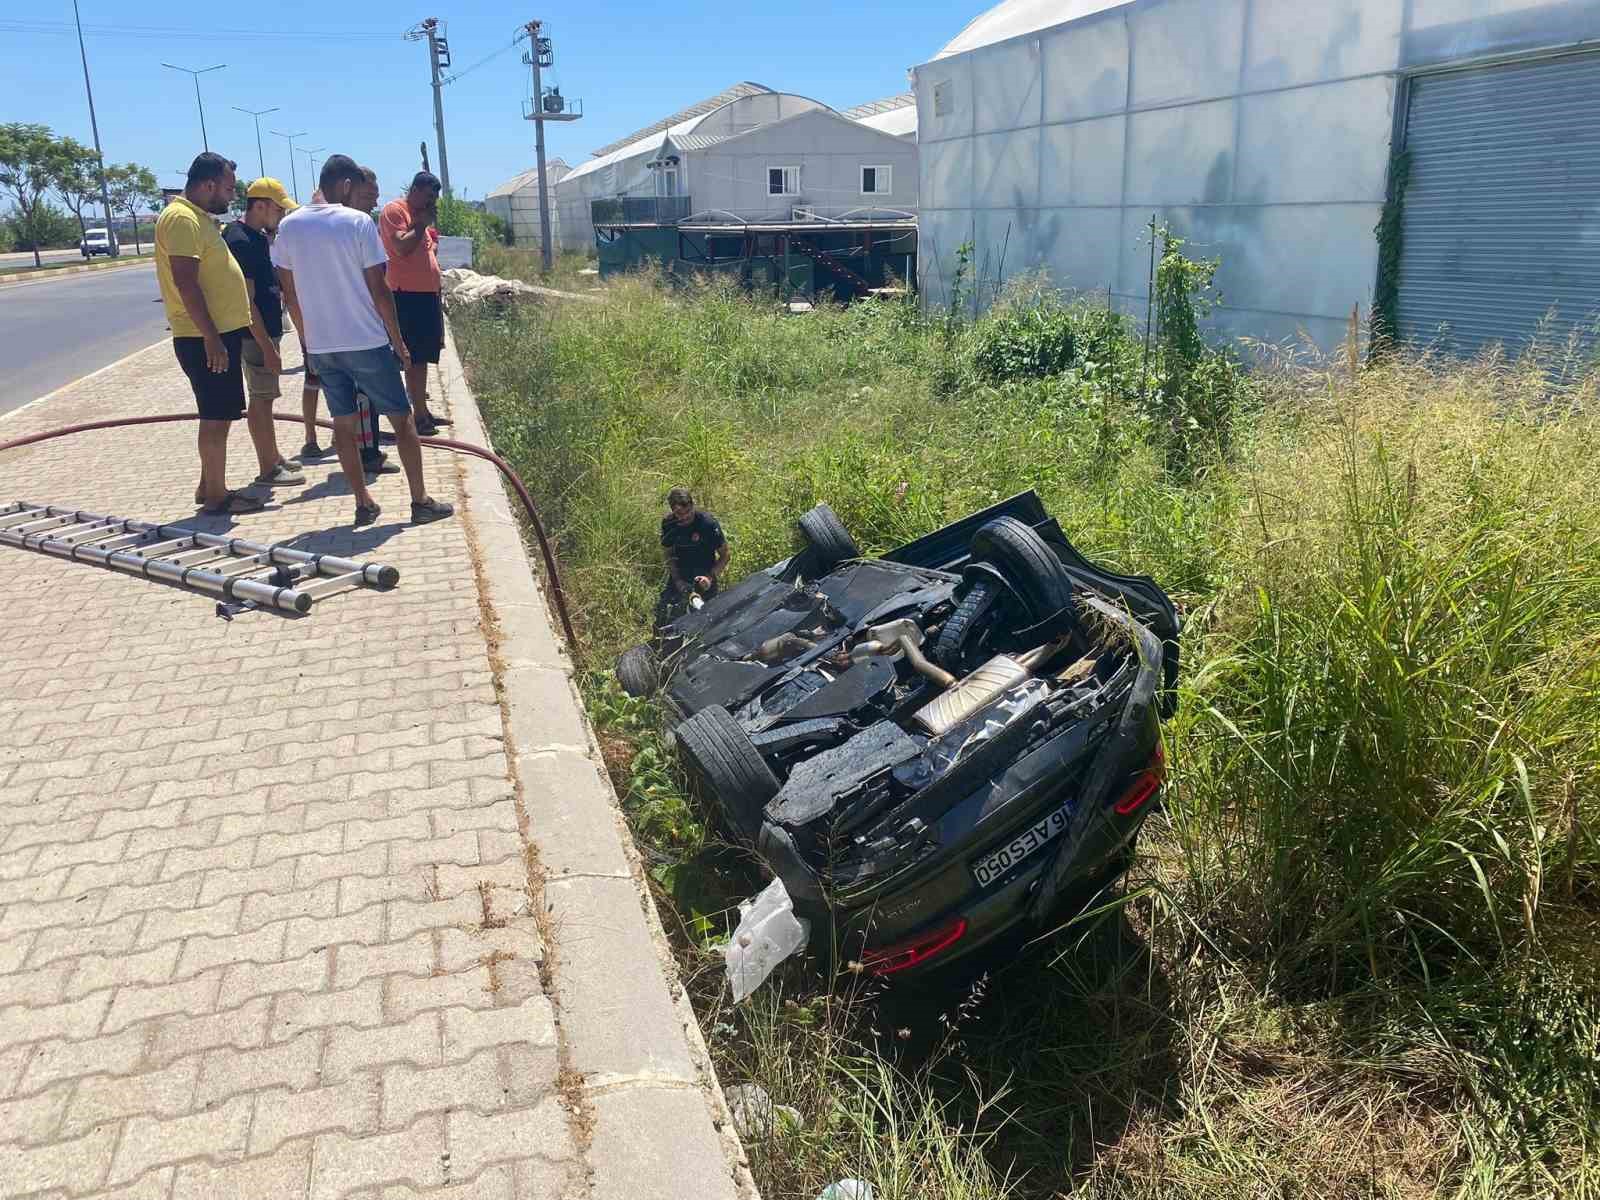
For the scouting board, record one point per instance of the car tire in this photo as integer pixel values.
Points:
(722, 760)
(828, 542)
(638, 671)
(1027, 563)
(963, 624)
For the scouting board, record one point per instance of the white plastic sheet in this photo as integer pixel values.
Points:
(768, 933)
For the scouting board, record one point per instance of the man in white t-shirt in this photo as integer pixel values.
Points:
(331, 262)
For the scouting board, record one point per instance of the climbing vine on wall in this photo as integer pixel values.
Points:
(1386, 300)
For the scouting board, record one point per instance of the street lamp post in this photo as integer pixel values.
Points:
(99, 156)
(294, 177)
(204, 142)
(261, 159)
(311, 160)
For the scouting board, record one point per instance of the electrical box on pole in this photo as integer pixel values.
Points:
(438, 57)
(548, 104)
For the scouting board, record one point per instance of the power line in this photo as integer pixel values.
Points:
(485, 60)
(166, 33)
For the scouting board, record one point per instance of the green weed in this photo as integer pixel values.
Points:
(1354, 957)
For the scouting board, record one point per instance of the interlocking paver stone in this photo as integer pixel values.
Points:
(264, 901)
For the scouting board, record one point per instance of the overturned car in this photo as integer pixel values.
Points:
(936, 751)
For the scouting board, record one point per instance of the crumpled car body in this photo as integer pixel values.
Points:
(941, 763)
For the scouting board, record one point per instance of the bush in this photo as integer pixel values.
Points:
(56, 230)
(1024, 343)
(459, 219)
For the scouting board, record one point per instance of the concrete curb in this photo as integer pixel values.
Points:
(86, 268)
(657, 1122)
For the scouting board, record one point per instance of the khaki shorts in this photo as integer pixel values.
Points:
(259, 383)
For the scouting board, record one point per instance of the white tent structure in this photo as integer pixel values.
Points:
(1050, 131)
(516, 202)
(749, 153)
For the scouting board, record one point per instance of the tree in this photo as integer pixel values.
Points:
(77, 179)
(132, 185)
(31, 160)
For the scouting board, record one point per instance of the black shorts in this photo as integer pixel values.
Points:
(421, 317)
(219, 397)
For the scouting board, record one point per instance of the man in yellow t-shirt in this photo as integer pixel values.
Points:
(208, 307)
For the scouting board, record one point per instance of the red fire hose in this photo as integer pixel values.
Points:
(520, 488)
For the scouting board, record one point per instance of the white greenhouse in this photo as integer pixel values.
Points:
(747, 154)
(1277, 135)
(516, 202)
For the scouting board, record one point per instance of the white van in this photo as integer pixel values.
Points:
(98, 241)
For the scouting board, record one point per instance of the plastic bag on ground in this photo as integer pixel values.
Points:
(847, 1189)
(768, 933)
(755, 1116)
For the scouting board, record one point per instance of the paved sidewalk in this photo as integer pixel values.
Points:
(273, 920)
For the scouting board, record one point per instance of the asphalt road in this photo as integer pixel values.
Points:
(54, 330)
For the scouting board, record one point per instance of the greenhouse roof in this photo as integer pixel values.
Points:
(737, 92)
(528, 178)
(1017, 17)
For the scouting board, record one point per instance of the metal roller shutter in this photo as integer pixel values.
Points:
(1502, 213)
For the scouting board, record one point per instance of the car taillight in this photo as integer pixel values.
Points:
(905, 955)
(1148, 783)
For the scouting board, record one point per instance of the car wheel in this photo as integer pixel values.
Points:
(723, 761)
(638, 671)
(1028, 564)
(962, 628)
(828, 542)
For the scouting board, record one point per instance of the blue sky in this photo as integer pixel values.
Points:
(347, 77)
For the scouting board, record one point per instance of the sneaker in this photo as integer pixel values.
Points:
(373, 470)
(428, 510)
(366, 514)
(311, 451)
(427, 427)
(282, 475)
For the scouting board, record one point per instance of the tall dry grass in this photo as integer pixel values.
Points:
(1356, 956)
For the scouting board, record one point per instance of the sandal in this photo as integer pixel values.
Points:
(237, 504)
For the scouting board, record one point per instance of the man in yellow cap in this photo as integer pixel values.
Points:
(266, 202)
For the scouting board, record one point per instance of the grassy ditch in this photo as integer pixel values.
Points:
(1355, 957)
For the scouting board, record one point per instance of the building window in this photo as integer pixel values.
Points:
(942, 100)
(783, 181)
(669, 182)
(877, 181)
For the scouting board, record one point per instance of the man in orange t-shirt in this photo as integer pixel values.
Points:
(408, 237)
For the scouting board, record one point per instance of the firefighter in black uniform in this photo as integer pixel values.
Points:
(696, 551)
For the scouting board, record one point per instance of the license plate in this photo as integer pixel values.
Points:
(1042, 831)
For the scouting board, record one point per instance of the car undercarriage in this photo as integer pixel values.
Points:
(933, 749)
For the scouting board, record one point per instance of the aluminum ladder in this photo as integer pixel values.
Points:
(232, 568)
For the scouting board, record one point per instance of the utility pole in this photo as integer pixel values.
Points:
(438, 56)
(94, 126)
(189, 71)
(554, 107)
(294, 178)
(261, 159)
